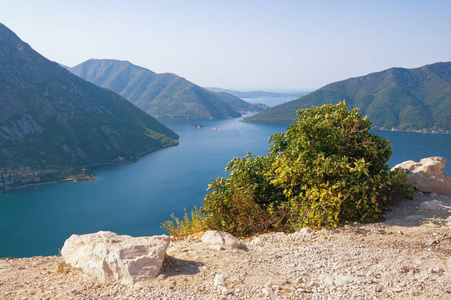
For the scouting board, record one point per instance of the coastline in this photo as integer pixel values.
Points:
(71, 176)
(440, 131)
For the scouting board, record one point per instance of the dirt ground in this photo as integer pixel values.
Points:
(407, 256)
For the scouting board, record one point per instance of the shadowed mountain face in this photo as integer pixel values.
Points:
(163, 95)
(55, 122)
(403, 99)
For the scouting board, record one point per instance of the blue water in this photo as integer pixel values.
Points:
(415, 146)
(128, 199)
(270, 101)
(135, 199)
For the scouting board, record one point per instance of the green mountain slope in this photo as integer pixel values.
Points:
(54, 122)
(162, 95)
(397, 98)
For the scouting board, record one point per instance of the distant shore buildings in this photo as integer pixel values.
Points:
(14, 177)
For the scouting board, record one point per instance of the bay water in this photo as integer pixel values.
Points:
(135, 199)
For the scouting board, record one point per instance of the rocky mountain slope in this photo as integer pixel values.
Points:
(397, 98)
(52, 122)
(162, 95)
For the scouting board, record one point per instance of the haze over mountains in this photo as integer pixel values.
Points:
(162, 95)
(256, 94)
(52, 122)
(402, 99)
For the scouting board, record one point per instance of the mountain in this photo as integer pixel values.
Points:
(52, 122)
(400, 99)
(162, 95)
(256, 94)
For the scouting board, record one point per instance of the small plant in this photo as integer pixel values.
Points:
(63, 268)
(187, 226)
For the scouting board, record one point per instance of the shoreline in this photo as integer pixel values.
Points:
(30, 185)
(69, 179)
(414, 131)
(439, 131)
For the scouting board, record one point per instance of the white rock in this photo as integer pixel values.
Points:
(268, 292)
(256, 241)
(327, 279)
(427, 175)
(304, 231)
(224, 290)
(221, 279)
(108, 257)
(345, 279)
(219, 239)
(432, 205)
(226, 280)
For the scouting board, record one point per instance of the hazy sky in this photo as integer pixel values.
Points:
(243, 44)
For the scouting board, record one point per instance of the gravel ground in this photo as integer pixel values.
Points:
(405, 257)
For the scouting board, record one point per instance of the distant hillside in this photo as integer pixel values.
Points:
(397, 98)
(52, 122)
(162, 95)
(256, 94)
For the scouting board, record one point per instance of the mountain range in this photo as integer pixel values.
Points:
(162, 95)
(52, 123)
(397, 99)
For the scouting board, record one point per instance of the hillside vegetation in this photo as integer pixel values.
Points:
(52, 122)
(162, 95)
(401, 99)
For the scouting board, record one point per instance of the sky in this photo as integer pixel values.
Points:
(243, 45)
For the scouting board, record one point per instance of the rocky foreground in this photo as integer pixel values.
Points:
(405, 257)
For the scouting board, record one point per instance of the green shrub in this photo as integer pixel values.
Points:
(333, 170)
(325, 170)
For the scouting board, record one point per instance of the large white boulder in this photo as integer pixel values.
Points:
(427, 175)
(108, 257)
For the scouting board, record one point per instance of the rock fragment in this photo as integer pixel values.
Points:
(221, 239)
(432, 205)
(221, 279)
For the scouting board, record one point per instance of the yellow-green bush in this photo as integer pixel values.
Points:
(325, 170)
